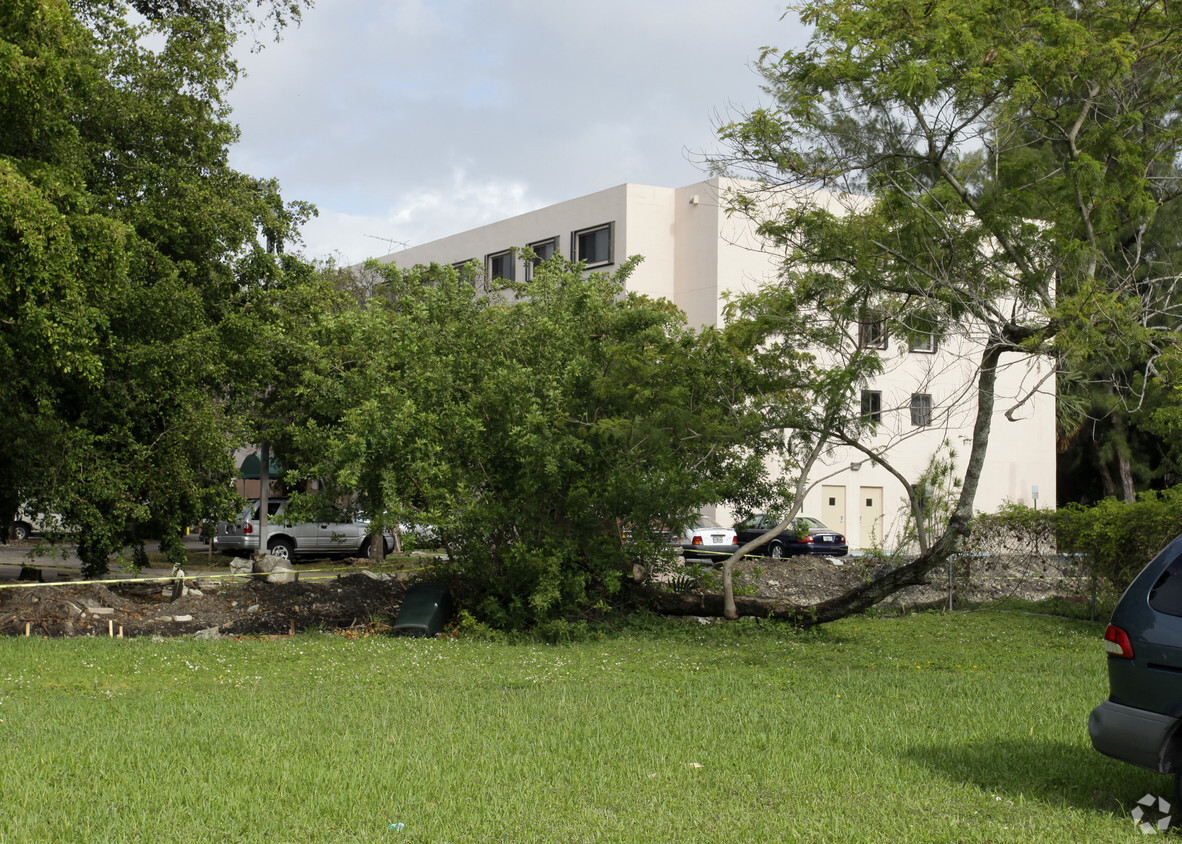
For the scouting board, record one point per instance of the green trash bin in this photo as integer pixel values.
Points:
(425, 610)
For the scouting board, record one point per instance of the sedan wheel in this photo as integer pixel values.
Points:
(775, 551)
(281, 548)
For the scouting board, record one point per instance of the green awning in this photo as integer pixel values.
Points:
(252, 466)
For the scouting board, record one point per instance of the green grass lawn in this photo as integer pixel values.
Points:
(969, 727)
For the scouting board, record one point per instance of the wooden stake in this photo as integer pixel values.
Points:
(120, 631)
(28, 626)
(111, 628)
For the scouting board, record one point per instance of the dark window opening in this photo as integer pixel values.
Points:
(921, 409)
(593, 247)
(872, 405)
(872, 333)
(501, 266)
(926, 344)
(543, 250)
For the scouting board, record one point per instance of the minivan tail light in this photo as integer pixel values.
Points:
(1116, 643)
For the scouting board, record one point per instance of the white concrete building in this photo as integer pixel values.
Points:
(694, 254)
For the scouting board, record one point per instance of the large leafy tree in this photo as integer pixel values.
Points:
(983, 172)
(123, 236)
(532, 425)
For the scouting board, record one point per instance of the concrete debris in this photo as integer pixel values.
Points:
(277, 569)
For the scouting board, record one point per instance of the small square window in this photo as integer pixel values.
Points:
(921, 409)
(593, 247)
(925, 344)
(501, 265)
(872, 405)
(543, 250)
(872, 333)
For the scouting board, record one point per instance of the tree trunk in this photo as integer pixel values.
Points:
(1106, 483)
(377, 547)
(729, 608)
(264, 492)
(1124, 465)
(856, 600)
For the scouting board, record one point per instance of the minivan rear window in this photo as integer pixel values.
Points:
(1166, 594)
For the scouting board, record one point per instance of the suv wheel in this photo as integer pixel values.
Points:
(20, 531)
(281, 548)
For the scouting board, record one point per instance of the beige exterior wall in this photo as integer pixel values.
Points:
(694, 255)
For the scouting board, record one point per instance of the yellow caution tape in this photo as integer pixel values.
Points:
(170, 579)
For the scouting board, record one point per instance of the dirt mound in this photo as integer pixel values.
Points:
(211, 608)
(356, 600)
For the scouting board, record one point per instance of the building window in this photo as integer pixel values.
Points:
(926, 344)
(872, 333)
(469, 272)
(921, 409)
(543, 250)
(872, 405)
(593, 247)
(501, 265)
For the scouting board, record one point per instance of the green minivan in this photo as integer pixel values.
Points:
(1140, 721)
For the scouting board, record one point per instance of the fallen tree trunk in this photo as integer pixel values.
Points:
(853, 601)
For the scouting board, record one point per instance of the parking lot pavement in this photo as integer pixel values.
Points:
(60, 562)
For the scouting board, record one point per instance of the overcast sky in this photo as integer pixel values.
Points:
(409, 120)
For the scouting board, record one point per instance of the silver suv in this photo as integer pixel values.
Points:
(336, 535)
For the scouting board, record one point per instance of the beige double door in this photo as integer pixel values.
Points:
(867, 532)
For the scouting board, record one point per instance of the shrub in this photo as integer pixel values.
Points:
(1120, 537)
(1014, 528)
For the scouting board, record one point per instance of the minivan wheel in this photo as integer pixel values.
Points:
(775, 551)
(281, 548)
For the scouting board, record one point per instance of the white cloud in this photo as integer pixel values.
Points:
(419, 216)
(415, 119)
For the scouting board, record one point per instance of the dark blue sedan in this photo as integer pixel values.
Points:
(804, 536)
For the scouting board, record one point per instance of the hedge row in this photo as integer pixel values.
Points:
(1118, 537)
